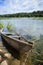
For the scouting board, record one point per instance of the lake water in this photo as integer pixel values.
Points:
(30, 26)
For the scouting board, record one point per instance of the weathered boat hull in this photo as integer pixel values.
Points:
(21, 46)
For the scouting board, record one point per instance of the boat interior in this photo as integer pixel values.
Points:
(18, 37)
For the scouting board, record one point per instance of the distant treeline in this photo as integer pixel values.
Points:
(32, 14)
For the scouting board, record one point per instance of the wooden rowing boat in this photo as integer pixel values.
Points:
(17, 42)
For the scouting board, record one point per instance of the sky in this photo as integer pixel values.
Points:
(16, 6)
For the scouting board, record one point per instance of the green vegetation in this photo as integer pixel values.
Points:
(9, 26)
(1, 25)
(32, 14)
(37, 52)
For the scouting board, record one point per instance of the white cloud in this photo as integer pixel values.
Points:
(13, 6)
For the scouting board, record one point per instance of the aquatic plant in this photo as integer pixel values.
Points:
(9, 26)
(37, 52)
(1, 25)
